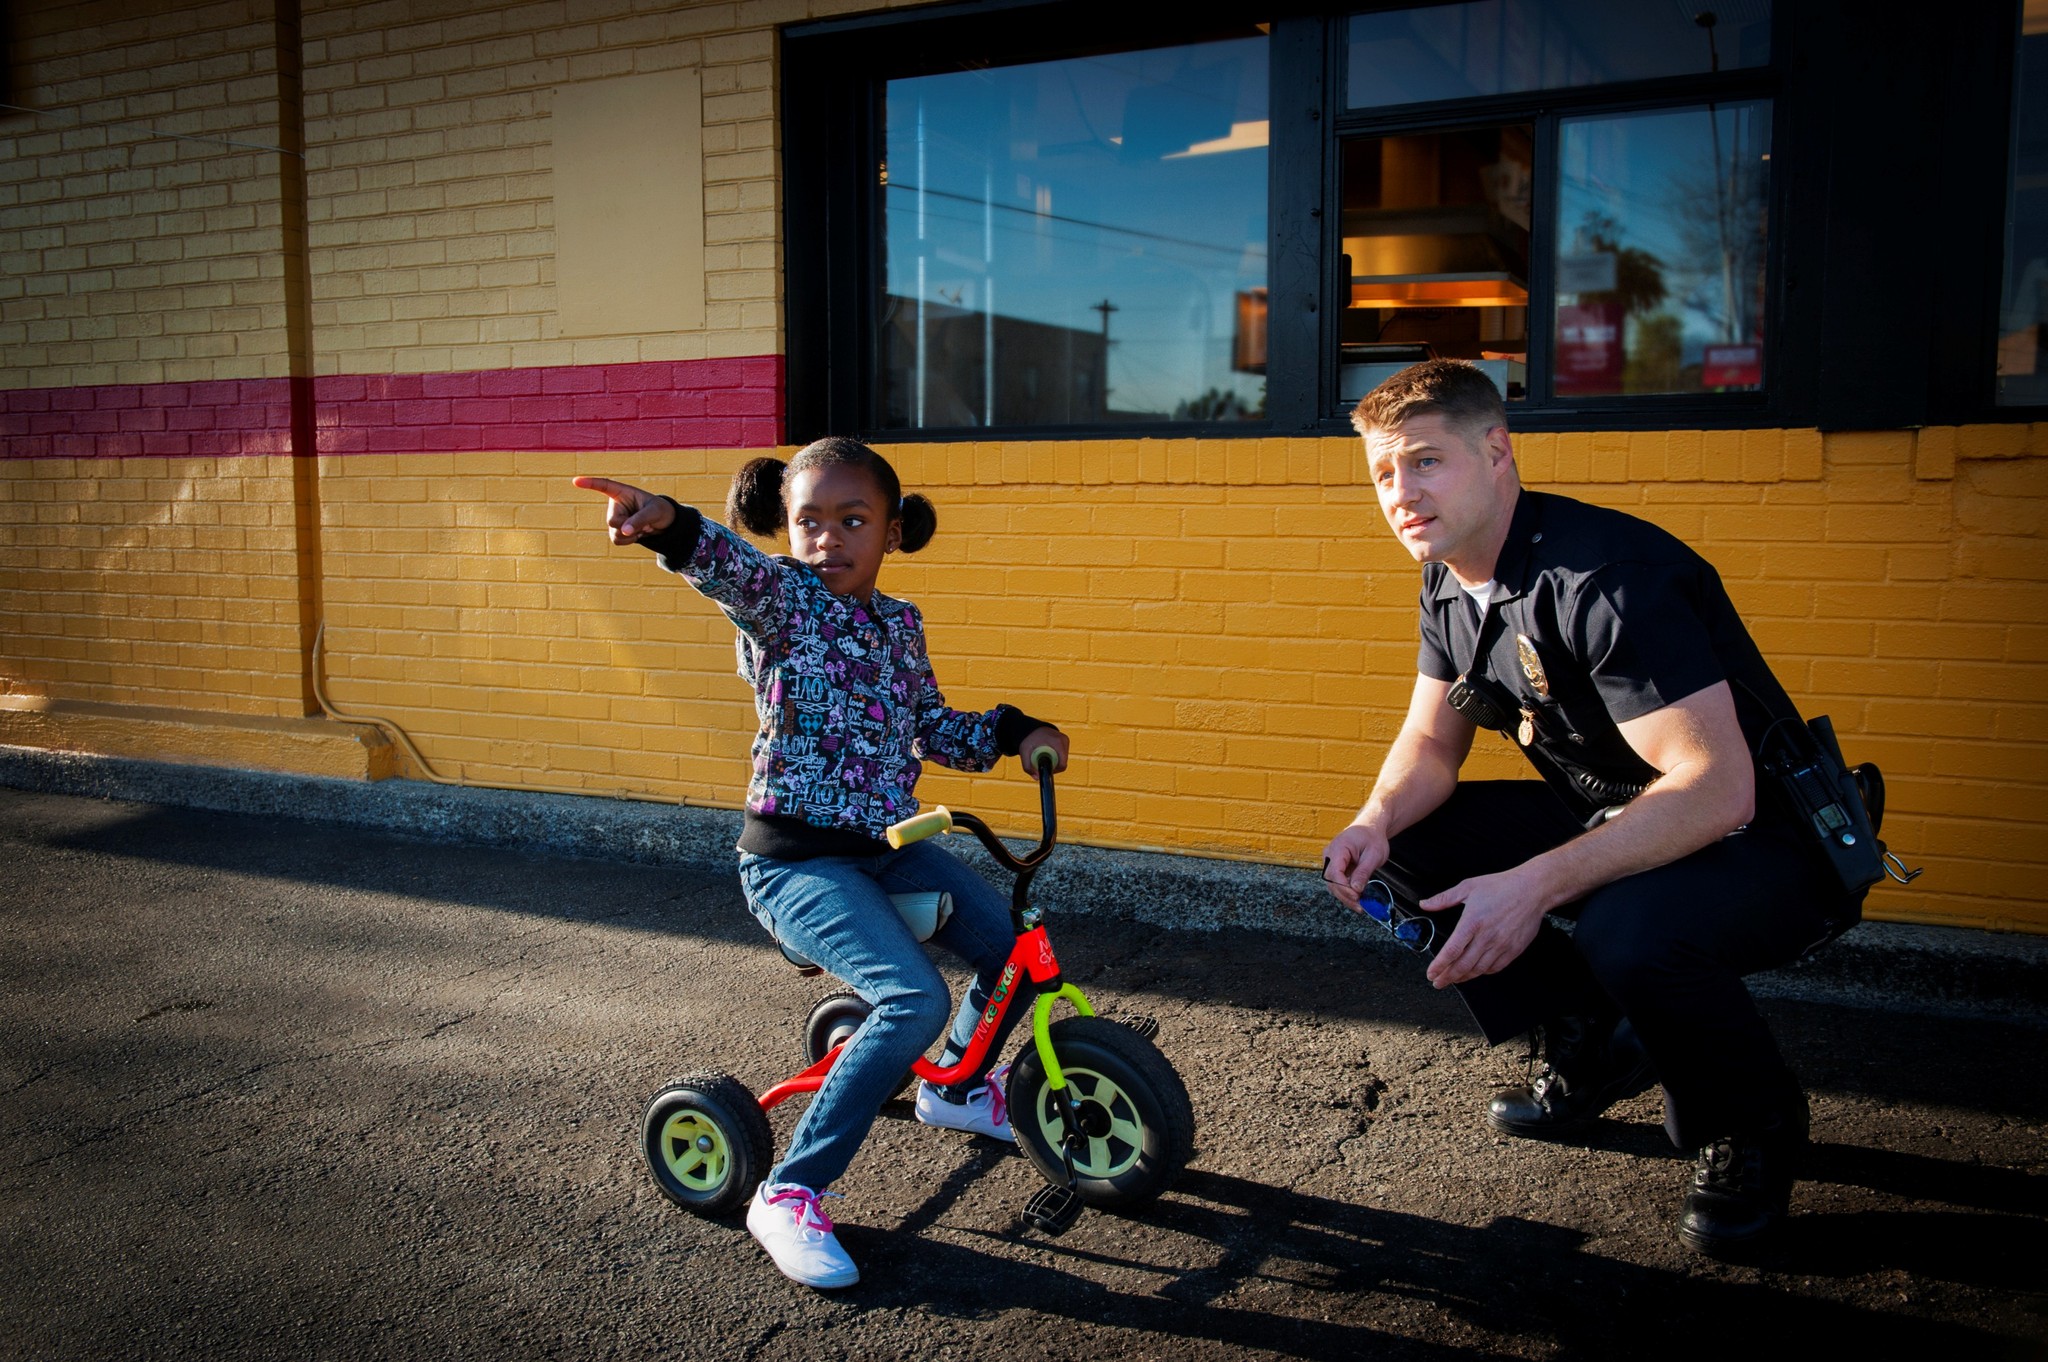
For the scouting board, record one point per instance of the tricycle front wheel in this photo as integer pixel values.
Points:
(1137, 1125)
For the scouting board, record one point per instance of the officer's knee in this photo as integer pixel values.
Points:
(1625, 951)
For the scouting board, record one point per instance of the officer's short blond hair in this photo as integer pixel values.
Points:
(1454, 389)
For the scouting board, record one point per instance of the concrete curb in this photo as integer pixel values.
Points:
(1888, 966)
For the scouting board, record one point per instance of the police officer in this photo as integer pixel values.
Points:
(1611, 655)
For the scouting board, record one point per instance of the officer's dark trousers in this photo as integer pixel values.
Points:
(1667, 948)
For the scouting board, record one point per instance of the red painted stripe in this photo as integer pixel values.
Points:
(129, 420)
(666, 404)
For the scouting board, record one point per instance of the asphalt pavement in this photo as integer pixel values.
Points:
(278, 1088)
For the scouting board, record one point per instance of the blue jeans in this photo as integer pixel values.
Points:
(835, 910)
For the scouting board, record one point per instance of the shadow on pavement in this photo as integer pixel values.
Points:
(1831, 1047)
(1915, 1177)
(1512, 1277)
(373, 861)
(1993, 1252)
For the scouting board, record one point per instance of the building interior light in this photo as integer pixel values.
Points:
(1441, 290)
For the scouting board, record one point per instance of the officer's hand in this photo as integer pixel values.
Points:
(1045, 735)
(1502, 915)
(635, 514)
(1350, 861)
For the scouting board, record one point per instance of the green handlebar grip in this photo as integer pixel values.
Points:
(1044, 757)
(917, 827)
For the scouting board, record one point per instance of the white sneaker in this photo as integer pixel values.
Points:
(985, 1112)
(787, 1220)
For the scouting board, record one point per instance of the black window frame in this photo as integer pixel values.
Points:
(1853, 103)
(1545, 112)
(834, 76)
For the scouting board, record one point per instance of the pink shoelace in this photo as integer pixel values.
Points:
(809, 1214)
(998, 1105)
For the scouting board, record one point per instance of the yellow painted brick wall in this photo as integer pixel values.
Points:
(431, 197)
(464, 599)
(159, 582)
(125, 256)
(1225, 627)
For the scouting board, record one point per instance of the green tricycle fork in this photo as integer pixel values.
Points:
(1041, 1030)
(1055, 1078)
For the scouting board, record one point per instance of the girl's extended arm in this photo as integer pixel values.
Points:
(747, 584)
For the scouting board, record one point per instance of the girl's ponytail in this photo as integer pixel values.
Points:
(754, 502)
(920, 521)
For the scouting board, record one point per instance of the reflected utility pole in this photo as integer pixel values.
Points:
(988, 294)
(1105, 307)
(1706, 19)
(922, 250)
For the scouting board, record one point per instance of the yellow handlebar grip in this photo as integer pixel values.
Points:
(1043, 757)
(916, 828)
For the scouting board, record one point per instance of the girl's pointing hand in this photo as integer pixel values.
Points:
(635, 514)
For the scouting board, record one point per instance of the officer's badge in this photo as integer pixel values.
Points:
(1532, 664)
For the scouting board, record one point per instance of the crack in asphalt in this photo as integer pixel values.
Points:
(768, 1335)
(186, 1099)
(36, 1077)
(610, 915)
(456, 1020)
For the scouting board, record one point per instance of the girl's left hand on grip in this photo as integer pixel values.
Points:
(1048, 737)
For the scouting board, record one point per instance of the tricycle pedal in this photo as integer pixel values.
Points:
(1148, 1027)
(1052, 1210)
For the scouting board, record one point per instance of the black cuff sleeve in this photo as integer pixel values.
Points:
(679, 540)
(1013, 726)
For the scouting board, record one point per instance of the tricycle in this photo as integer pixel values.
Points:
(1095, 1106)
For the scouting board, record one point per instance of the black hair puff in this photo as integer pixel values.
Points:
(753, 503)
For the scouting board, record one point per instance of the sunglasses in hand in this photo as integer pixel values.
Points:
(1416, 931)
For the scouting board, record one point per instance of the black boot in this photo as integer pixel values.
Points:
(1741, 1187)
(1589, 1064)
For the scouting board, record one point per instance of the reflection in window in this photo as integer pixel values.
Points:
(1077, 242)
(1436, 254)
(2023, 327)
(1492, 47)
(1661, 250)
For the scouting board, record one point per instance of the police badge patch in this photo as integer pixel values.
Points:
(1532, 664)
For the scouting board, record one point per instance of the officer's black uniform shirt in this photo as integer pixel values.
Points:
(1624, 619)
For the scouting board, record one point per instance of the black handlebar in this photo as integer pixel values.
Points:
(1025, 866)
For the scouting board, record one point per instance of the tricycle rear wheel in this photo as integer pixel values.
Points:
(833, 1020)
(707, 1142)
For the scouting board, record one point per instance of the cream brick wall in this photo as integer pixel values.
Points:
(430, 160)
(127, 256)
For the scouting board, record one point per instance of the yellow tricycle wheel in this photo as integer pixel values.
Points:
(706, 1141)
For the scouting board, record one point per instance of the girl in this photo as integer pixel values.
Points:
(848, 706)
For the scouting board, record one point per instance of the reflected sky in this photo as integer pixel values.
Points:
(1042, 192)
(1652, 177)
(1488, 47)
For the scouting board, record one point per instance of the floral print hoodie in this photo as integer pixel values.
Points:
(848, 704)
